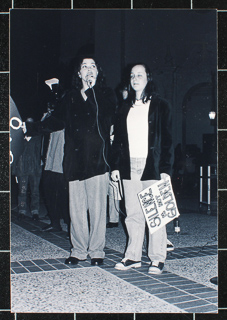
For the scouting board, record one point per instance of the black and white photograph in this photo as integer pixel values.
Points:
(113, 160)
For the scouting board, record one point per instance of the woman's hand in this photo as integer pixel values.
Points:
(23, 127)
(164, 176)
(115, 175)
(90, 81)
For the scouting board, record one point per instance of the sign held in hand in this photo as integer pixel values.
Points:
(158, 204)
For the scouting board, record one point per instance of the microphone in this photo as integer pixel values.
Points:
(89, 81)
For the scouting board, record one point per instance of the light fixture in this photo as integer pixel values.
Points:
(212, 115)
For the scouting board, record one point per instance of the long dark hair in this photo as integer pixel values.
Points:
(148, 90)
(76, 80)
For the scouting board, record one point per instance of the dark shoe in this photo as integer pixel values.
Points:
(127, 264)
(46, 217)
(96, 261)
(170, 246)
(35, 217)
(21, 216)
(214, 280)
(112, 225)
(50, 228)
(156, 267)
(73, 260)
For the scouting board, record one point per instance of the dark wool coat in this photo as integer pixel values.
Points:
(87, 131)
(29, 162)
(160, 147)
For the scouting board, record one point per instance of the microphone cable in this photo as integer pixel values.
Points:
(99, 131)
(104, 157)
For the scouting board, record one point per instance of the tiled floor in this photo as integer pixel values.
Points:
(179, 291)
(111, 258)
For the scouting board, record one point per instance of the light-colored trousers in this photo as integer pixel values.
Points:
(87, 202)
(114, 207)
(135, 220)
(114, 201)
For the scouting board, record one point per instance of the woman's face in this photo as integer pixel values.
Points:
(88, 72)
(138, 78)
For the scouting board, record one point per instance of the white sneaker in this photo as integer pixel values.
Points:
(170, 246)
(156, 267)
(127, 264)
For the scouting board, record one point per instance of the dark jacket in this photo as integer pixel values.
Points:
(87, 131)
(160, 148)
(29, 162)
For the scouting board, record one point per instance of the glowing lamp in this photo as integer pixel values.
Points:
(212, 115)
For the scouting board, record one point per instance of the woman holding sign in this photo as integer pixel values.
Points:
(142, 154)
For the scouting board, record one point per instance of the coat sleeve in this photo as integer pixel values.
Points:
(53, 122)
(116, 148)
(166, 157)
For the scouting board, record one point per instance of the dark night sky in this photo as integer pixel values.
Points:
(44, 42)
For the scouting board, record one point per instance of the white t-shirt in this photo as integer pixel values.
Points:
(137, 126)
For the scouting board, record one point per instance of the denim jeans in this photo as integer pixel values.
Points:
(24, 182)
(88, 232)
(135, 220)
(56, 197)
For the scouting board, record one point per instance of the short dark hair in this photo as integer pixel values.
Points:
(76, 80)
(148, 90)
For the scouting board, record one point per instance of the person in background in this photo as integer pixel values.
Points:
(142, 153)
(115, 189)
(114, 196)
(28, 170)
(54, 185)
(114, 204)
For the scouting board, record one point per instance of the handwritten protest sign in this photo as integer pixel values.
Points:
(158, 204)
